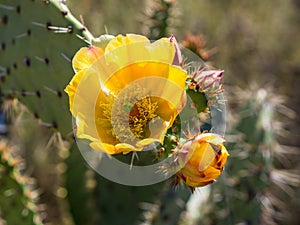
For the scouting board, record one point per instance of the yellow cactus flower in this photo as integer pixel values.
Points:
(125, 96)
(203, 159)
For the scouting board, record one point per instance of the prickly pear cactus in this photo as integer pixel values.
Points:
(38, 40)
(161, 17)
(247, 192)
(17, 198)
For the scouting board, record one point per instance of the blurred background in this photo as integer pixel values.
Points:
(254, 42)
(257, 44)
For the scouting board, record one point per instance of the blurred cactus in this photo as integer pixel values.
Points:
(248, 192)
(167, 209)
(18, 198)
(43, 158)
(196, 44)
(161, 18)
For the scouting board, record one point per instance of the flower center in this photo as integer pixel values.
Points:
(132, 111)
(140, 115)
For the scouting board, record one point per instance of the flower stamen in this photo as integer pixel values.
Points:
(140, 116)
(132, 111)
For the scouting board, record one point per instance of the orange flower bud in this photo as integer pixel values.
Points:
(202, 159)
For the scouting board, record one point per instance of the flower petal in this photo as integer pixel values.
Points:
(121, 40)
(113, 149)
(102, 147)
(85, 57)
(126, 50)
(83, 91)
(204, 160)
(101, 77)
(126, 148)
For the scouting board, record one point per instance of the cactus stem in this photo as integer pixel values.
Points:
(66, 12)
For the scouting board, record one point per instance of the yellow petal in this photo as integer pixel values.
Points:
(211, 138)
(113, 149)
(194, 184)
(102, 147)
(71, 88)
(161, 80)
(147, 141)
(208, 157)
(121, 40)
(203, 179)
(173, 89)
(126, 148)
(83, 92)
(126, 50)
(157, 128)
(210, 174)
(162, 50)
(85, 57)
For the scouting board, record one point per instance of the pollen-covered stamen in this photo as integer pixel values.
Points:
(132, 111)
(140, 115)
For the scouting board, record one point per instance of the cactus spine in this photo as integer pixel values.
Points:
(18, 199)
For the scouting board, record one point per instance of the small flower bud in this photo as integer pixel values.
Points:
(202, 159)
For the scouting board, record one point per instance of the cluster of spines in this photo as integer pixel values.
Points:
(161, 17)
(251, 188)
(19, 198)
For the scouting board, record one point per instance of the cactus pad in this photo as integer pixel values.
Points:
(37, 42)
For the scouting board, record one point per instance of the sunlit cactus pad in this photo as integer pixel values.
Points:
(36, 44)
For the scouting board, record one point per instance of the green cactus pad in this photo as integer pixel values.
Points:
(37, 43)
(121, 204)
(80, 189)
